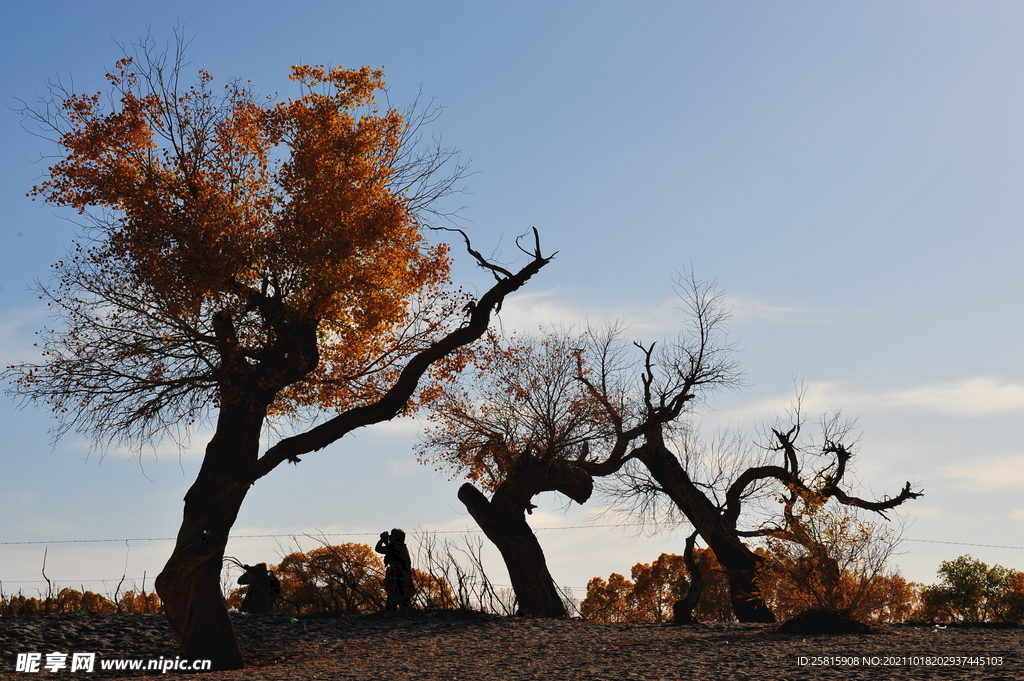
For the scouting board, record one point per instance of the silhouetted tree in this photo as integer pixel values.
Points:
(826, 558)
(683, 607)
(262, 259)
(519, 424)
(672, 379)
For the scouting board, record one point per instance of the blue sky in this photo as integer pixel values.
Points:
(850, 173)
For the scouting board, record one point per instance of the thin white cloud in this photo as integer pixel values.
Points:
(1018, 515)
(993, 473)
(745, 309)
(405, 427)
(971, 397)
(818, 397)
(404, 468)
(528, 312)
(930, 513)
(192, 446)
(18, 334)
(21, 516)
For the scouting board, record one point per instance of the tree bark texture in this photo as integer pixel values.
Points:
(739, 561)
(189, 585)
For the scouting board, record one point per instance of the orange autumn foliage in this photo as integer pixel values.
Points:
(70, 601)
(653, 588)
(828, 558)
(344, 579)
(210, 202)
(218, 190)
(787, 586)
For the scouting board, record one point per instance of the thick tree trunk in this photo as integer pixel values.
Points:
(739, 561)
(506, 526)
(745, 592)
(189, 585)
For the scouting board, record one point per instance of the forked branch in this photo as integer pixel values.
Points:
(396, 398)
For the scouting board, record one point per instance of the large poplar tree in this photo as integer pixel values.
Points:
(247, 261)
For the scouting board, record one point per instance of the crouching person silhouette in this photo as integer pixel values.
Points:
(398, 576)
(264, 589)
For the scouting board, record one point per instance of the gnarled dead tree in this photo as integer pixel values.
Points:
(671, 381)
(833, 555)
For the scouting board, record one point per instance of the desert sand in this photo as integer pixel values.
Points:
(460, 645)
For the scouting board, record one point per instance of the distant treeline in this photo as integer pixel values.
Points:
(69, 601)
(348, 579)
(969, 591)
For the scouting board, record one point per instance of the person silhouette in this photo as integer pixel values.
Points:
(264, 589)
(398, 574)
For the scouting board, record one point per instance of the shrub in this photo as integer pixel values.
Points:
(971, 591)
(829, 560)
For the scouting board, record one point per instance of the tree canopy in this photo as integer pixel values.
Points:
(519, 399)
(219, 227)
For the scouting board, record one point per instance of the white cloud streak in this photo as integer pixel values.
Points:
(745, 309)
(17, 335)
(972, 397)
(528, 312)
(983, 475)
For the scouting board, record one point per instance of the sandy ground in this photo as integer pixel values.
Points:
(440, 645)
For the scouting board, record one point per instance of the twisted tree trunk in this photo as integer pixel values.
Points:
(189, 584)
(503, 520)
(739, 561)
(524, 558)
